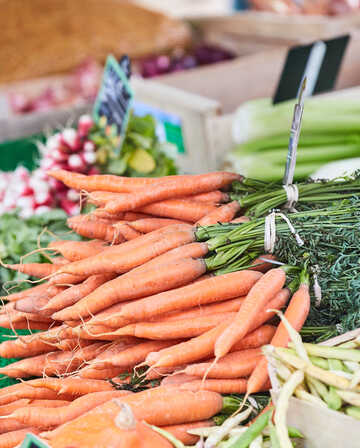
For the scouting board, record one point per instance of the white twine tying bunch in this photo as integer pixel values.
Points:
(270, 231)
(292, 195)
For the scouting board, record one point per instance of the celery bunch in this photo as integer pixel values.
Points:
(330, 131)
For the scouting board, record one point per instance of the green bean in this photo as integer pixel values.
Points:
(353, 411)
(334, 401)
(336, 364)
(320, 362)
(251, 433)
(324, 351)
(294, 433)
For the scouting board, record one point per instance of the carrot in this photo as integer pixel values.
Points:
(264, 290)
(174, 189)
(75, 293)
(25, 324)
(24, 390)
(161, 372)
(147, 225)
(103, 374)
(225, 213)
(34, 291)
(118, 427)
(47, 417)
(296, 313)
(126, 231)
(95, 229)
(33, 304)
(77, 250)
(182, 209)
(213, 289)
(234, 365)
(10, 424)
(100, 198)
(228, 386)
(73, 386)
(178, 378)
(116, 347)
(130, 357)
(181, 431)
(38, 270)
(48, 403)
(51, 363)
(202, 347)
(108, 182)
(135, 285)
(240, 220)
(7, 409)
(207, 310)
(261, 265)
(59, 260)
(134, 216)
(216, 196)
(19, 349)
(123, 257)
(184, 329)
(12, 439)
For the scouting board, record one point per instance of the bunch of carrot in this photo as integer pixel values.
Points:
(137, 294)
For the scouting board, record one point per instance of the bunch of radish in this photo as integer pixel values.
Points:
(36, 193)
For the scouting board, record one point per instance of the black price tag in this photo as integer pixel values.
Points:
(319, 62)
(31, 441)
(115, 96)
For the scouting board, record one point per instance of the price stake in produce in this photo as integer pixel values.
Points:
(114, 100)
(31, 441)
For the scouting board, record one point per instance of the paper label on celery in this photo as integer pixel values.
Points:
(114, 100)
(31, 441)
(319, 62)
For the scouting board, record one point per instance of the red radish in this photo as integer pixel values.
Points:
(70, 138)
(89, 146)
(84, 125)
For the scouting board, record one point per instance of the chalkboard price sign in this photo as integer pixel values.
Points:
(115, 95)
(31, 441)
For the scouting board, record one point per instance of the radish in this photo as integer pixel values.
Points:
(84, 125)
(89, 146)
(75, 162)
(42, 209)
(89, 157)
(72, 195)
(70, 138)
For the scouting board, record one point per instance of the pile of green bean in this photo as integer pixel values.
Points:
(319, 374)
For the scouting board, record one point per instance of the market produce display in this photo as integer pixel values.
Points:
(330, 132)
(115, 320)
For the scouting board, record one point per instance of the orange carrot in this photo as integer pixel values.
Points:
(72, 386)
(25, 324)
(34, 292)
(213, 289)
(103, 374)
(240, 220)
(24, 390)
(75, 293)
(174, 189)
(51, 363)
(59, 260)
(126, 231)
(19, 349)
(77, 250)
(207, 310)
(234, 365)
(202, 347)
(7, 409)
(108, 182)
(95, 229)
(187, 328)
(33, 304)
(10, 424)
(225, 213)
(264, 290)
(296, 313)
(178, 378)
(181, 431)
(123, 257)
(134, 216)
(217, 197)
(261, 265)
(182, 209)
(12, 439)
(135, 285)
(132, 356)
(147, 225)
(228, 386)
(48, 417)
(38, 270)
